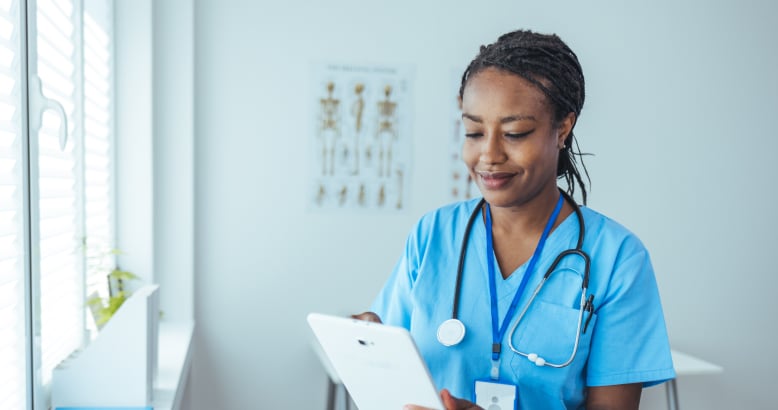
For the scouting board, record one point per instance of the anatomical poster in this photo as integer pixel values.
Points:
(360, 145)
(461, 185)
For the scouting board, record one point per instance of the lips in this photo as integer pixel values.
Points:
(495, 180)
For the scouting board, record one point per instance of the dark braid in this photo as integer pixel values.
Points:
(548, 63)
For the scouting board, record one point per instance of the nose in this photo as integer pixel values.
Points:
(492, 148)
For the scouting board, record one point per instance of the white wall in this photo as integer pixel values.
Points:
(155, 147)
(134, 137)
(173, 55)
(155, 150)
(680, 96)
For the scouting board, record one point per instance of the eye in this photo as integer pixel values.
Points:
(518, 135)
(473, 135)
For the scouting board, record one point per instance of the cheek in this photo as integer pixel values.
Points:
(547, 148)
(553, 148)
(469, 153)
(549, 156)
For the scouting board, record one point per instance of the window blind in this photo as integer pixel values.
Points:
(60, 175)
(12, 319)
(71, 192)
(98, 146)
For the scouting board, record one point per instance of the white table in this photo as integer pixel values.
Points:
(686, 365)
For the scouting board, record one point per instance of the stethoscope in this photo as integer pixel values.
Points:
(452, 331)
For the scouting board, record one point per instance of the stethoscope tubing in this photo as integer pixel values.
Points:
(581, 309)
(584, 285)
(462, 253)
(466, 238)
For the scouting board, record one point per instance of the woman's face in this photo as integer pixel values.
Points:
(512, 144)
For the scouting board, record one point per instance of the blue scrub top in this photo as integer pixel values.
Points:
(626, 341)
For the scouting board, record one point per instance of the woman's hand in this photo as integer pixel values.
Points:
(367, 316)
(450, 402)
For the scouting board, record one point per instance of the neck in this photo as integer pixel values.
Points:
(526, 218)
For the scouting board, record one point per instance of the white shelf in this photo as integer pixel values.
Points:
(118, 367)
(175, 357)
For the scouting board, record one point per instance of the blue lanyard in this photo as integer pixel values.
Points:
(499, 331)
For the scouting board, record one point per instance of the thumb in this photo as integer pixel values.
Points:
(453, 403)
(448, 399)
(367, 316)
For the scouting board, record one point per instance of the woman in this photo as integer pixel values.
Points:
(521, 98)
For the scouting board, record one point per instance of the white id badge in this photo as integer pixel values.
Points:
(491, 395)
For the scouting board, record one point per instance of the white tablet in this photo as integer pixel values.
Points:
(379, 364)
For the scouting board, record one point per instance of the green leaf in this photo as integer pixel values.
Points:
(123, 274)
(94, 301)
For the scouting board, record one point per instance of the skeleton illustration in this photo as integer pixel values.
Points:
(357, 110)
(387, 132)
(329, 129)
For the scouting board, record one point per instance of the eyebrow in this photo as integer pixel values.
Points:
(504, 120)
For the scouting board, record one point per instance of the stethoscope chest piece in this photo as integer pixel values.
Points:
(451, 332)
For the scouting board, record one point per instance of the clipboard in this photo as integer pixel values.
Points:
(380, 365)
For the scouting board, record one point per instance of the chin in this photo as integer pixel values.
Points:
(498, 199)
(504, 199)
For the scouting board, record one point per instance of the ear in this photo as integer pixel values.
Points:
(459, 102)
(564, 128)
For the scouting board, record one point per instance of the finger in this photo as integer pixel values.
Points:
(367, 316)
(415, 407)
(453, 403)
(449, 401)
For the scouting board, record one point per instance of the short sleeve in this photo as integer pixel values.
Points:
(393, 303)
(629, 343)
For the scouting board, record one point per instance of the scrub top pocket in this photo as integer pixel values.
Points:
(549, 330)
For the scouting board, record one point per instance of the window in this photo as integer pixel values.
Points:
(13, 373)
(59, 224)
(98, 145)
(56, 184)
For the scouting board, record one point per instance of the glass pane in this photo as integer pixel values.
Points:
(13, 376)
(98, 148)
(60, 176)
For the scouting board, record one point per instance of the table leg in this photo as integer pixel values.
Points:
(332, 393)
(672, 395)
(346, 397)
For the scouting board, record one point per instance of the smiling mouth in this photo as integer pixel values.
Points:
(495, 180)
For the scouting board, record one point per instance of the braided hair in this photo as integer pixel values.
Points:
(548, 63)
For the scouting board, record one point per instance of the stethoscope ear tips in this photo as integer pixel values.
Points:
(534, 358)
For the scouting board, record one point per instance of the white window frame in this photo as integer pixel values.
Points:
(36, 394)
(144, 31)
(26, 206)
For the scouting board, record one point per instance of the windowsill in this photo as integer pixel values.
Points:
(175, 358)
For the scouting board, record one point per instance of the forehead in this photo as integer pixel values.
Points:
(493, 89)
